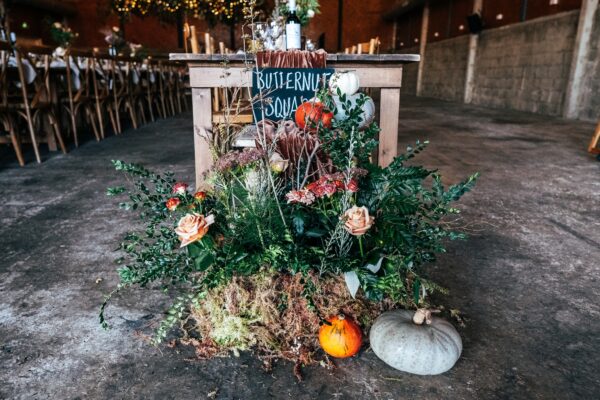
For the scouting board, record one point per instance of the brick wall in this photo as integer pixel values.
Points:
(590, 98)
(361, 21)
(444, 68)
(526, 66)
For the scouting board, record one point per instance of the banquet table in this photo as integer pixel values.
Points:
(378, 71)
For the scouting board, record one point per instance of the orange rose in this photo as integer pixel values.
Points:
(172, 203)
(358, 220)
(200, 196)
(193, 227)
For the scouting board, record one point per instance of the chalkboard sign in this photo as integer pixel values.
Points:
(286, 88)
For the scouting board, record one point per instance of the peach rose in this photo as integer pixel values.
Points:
(193, 227)
(357, 220)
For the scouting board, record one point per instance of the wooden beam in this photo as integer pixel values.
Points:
(423, 47)
(202, 103)
(472, 57)
(209, 77)
(388, 121)
(583, 43)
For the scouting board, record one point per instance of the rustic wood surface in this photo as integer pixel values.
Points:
(331, 58)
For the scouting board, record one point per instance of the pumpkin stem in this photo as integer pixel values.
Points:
(341, 317)
(422, 315)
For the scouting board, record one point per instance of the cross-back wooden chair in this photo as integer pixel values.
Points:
(161, 77)
(38, 106)
(181, 88)
(137, 91)
(370, 47)
(79, 101)
(102, 83)
(9, 133)
(122, 100)
(153, 101)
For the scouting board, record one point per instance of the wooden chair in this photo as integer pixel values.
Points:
(153, 99)
(593, 146)
(161, 79)
(9, 133)
(121, 100)
(37, 104)
(138, 89)
(370, 47)
(102, 80)
(79, 101)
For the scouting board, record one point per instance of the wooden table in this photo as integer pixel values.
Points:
(383, 71)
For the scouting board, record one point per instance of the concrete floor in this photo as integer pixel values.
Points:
(527, 280)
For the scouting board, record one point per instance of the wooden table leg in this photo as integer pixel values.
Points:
(388, 122)
(593, 147)
(202, 103)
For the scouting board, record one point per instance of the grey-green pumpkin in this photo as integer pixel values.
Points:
(427, 349)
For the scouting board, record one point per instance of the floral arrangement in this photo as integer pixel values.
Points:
(114, 38)
(284, 235)
(293, 247)
(62, 35)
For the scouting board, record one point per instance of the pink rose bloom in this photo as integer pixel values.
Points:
(352, 186)
(300, 196)
(180, 188)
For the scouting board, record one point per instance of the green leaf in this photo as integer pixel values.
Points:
(203, 261)
(416, 291)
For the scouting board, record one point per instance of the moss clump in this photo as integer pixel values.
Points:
(275, 315)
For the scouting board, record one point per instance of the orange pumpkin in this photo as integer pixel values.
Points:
(311, 114)
(340, 338)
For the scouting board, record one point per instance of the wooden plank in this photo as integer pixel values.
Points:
(593, 147)
(202, 103)
(388, 121)
(212, 77)
(331, 58)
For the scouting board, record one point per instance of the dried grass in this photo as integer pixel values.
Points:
(269, 314)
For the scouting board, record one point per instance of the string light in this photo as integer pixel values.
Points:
(227, 10)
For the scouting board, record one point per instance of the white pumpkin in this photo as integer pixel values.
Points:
(427, 349)
(368, 109)
(347, 82)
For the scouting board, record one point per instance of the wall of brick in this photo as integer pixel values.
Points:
(526, 66)
(444, 69)
(361, 22)
(590, 96)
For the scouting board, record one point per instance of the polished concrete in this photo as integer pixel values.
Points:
(527, 280)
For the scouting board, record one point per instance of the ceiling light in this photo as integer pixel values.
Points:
(499, 17)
